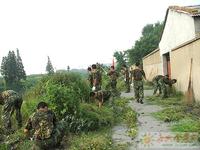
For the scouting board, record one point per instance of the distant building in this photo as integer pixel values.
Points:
(178, 47)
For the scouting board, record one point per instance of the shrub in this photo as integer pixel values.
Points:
(17, 141)
(95, 117)
(64, 92)
(90, 118)
(121, 86)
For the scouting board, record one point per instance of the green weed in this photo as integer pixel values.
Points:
(171, 101)
(100, 140)
(187, 125)
(148, 85)
(171, 114)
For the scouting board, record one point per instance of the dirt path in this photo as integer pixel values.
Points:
(148, 126)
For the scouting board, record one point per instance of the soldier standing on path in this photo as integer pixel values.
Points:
(113, 75)
(47, 132)
(96, 78)
(138, 75)
(125, 72)
(99, 70)
(11, 102)
(90, 80)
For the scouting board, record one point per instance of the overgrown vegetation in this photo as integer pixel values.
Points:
(64, 92)
(68, 96)
(171, 101)
(187, 125)
(183, 117)
(171, 114)
(99, 140)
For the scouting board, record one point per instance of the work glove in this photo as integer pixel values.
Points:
(93, 88)
(131, 84)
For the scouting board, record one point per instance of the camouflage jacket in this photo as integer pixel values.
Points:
(138, 74)
(96, 78)
(113, 75)
(42, 124)
(90, 77)
(166, 80)
(156, 78)
(103, 96)
(126, 74)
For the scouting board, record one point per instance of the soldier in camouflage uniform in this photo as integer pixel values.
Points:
(47, 132)
(138, 75)
(113, 75)
(125, 72)
(90, 80)
(96, 78)
(156, 84)
(100, 96)
(11, 102)
(162, 82)
(99, 69)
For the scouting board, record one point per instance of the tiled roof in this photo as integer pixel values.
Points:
(191, 10)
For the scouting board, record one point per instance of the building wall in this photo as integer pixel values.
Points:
(180, 67)
(152, 65)
(179, 28)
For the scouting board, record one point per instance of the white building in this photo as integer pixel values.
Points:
(181, 24)
(178, 54)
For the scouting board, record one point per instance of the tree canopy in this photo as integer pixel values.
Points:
(120, 56)
(49, 67)
(12, 70)
(148, 42)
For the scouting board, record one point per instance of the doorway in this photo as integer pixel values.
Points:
(166, 64)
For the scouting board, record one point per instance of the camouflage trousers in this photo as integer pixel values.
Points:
(54, 141)
(106, 95)
(156, 87)
(112, 86)
(11, 104)
(127, 86)
(163, 88)
(138, 89)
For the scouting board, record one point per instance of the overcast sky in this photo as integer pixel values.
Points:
(75, 32)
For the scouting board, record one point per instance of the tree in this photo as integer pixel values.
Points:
(20, 67)
(68, 68)
(148, 42)
(12, 71)
(121, 59)
(49, 67)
